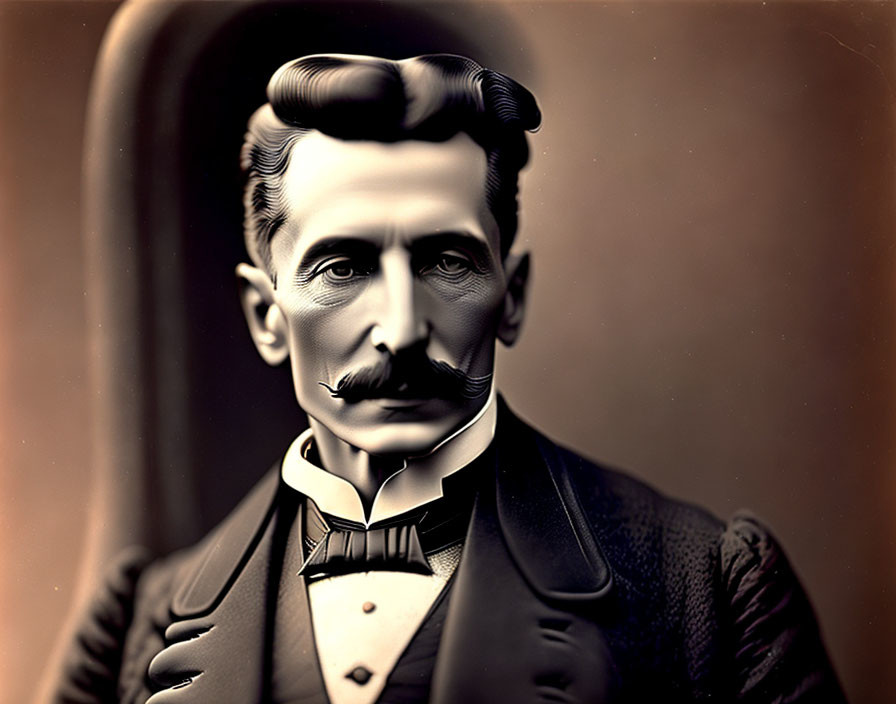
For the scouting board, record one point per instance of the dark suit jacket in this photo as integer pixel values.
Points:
(577, 584)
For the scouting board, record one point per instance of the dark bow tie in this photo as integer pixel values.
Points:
(344, 549)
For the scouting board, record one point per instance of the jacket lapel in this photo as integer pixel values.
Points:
(219, 641)
(521, 622)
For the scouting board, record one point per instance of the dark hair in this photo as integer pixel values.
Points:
(430, 97)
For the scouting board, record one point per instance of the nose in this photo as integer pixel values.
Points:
(400, 321)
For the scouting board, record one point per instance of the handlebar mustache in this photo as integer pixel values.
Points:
(409, 376)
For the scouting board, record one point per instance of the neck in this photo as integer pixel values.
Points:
(368, 472)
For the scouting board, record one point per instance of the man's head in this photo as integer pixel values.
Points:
(380, 209)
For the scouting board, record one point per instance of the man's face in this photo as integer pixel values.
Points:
(389, 256)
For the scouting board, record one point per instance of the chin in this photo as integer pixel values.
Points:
(404, 439)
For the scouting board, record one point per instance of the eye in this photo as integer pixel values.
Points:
(342, 269)
(452, 262)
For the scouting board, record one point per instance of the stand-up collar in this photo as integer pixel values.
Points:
(417, 483)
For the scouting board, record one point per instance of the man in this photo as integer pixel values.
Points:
(419, 542)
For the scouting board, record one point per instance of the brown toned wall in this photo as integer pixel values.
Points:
(46, 57)
(710, 207)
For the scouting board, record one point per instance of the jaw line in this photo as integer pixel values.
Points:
(444, 441)
(481, 412)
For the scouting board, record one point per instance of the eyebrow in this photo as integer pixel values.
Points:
(476, 246)
(336, 245)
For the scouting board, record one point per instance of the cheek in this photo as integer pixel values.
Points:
(318, 295)
(465, 289)
(466, 324)
(321, 334)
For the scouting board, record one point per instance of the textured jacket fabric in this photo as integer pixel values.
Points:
(577, 584)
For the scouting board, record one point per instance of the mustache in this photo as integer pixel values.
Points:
(409, 376)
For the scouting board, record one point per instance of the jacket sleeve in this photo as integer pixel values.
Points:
(93, 661)
(778, 654)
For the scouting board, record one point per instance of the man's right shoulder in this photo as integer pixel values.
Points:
(123, 625)
(96, 660)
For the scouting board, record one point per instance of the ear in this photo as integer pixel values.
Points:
(267, 324)
(516, 267)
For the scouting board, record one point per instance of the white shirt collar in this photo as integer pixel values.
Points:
(415, 484)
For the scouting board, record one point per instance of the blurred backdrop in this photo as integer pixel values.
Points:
(710, 207)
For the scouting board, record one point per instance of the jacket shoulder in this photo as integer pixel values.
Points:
(779, 648)
(726, 589)
(93, 661)
(616, 501)
(139, 597)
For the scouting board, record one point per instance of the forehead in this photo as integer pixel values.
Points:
(388, 191)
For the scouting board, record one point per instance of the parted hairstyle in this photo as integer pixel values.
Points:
(431, 97)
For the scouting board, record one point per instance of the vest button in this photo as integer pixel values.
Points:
(361, 675)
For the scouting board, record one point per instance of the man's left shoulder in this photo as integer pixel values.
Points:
(619, 504)
(722, 594)
(657, 543)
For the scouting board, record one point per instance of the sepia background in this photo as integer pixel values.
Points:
(710, 206)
